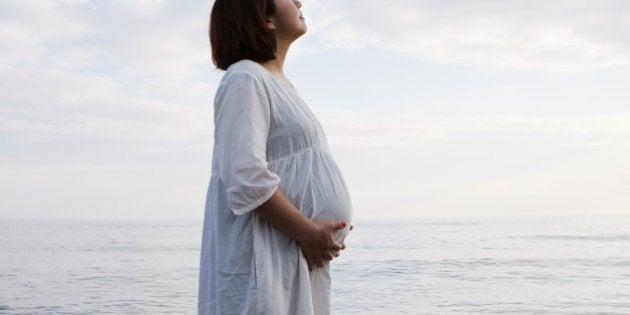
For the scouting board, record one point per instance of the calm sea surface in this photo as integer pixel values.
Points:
(482, 265)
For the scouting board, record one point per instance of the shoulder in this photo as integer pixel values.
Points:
(243, 79)
(245, 70)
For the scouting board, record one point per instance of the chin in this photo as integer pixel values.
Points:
(300, 32)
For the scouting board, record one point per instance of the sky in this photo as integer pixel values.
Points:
(431, 108)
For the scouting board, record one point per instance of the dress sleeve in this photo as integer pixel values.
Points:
(242, 122)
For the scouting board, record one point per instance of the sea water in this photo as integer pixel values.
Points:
(478, 265)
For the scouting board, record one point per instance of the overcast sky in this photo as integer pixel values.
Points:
(431, 107)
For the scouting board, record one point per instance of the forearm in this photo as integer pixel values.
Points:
(315, 238)
(284, 216)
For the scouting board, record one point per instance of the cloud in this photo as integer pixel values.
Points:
(482, 164)
(131, 73)
(381, 128)
(563, 35)
(100, 98)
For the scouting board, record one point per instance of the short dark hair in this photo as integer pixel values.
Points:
(238, 30)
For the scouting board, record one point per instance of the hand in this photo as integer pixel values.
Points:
(318, 244)
(343, 246)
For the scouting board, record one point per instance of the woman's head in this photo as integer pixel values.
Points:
(238, 30)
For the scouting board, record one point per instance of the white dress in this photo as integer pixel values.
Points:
(266, 138)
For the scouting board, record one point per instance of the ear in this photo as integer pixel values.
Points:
(270, 23)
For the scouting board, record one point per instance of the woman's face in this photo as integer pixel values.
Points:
(288, 22)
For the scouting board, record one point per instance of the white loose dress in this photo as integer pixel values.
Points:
(266, 138)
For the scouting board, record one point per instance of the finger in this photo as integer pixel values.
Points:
(339, 225)
(343, 245)
(328, 256)
(313, 263)
(319, 262)
(336, 246)
(335, 253)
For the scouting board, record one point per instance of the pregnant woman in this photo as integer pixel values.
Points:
(277, 208)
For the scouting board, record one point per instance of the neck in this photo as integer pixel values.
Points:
(276, 66)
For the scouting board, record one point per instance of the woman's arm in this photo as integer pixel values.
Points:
(315, 237)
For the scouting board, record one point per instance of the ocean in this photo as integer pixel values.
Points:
(465, 265)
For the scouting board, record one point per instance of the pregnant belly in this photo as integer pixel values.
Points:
(322, 199)
(331, 201)
(315, 185)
